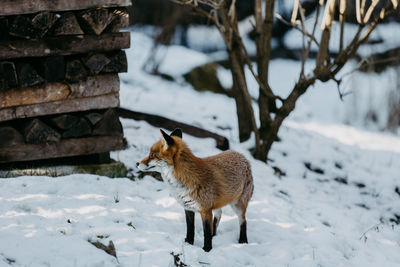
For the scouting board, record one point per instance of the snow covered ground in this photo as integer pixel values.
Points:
(327, 197)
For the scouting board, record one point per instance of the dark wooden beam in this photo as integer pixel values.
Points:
(63, 106)
(64, 148)
(14, 7)
(64, 45)
(162, 122)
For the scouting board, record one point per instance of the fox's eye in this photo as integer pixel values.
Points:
(152, 155)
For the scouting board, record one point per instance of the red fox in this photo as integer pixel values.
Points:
(202, 185)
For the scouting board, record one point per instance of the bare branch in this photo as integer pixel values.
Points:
(370, 10)
(350, 50)
(297, 28)
(232, 10)
(395, 3)
(314, 27)
(328, 14)
(362, 8)
(342, 10)
(358, 11)
(304, 52)
(258, 15)
(260, 84)
(293, 19)
(212, 15)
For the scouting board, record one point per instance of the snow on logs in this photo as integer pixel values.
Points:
(59, 65)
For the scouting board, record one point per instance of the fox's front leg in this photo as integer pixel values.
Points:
(206, 217)
(189, 226)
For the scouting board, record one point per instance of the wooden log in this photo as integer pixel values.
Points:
(10, 137)
(52, 68)
(51, 92)
(58, 107)
(95, 85)
(75, 71)
(43, 22)
(67, 25)
(22, 27)
(27, 75)
(64, 148)
(26, 96)
(96, 62)
(64, 45)
(81, 128)
(8, 74)
(159, 121)
(94, 21)
(14, 7)
(121, 20)
(65, 121)
(37, 132)
(109, 124)
(60, 167)
(118, 63)
(94, 117)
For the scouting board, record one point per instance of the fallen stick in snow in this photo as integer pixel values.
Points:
(110, 249)
(159, 121)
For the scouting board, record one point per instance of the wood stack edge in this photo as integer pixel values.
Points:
(59, 65)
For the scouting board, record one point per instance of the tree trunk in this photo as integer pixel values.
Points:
(243, 108)
(266, 103)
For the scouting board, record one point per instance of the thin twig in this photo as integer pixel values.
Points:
(313, 30)
(376, 226)
(296, 7)
(262, 86)
(297, 28)
(358, 11)
(370, 10)
(304, 54)
(362, 9)
(342, 10)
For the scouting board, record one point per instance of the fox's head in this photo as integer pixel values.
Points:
(162, 152)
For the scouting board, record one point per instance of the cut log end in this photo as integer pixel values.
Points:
(67, 25)
(94, 21)
(27, 75)
(37, 132)
(75, 71)
(10, 136)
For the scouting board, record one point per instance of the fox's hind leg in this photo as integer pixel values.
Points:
(240, 211)
(240, 208)
(217, 218)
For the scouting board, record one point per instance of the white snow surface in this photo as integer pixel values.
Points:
(339, 215)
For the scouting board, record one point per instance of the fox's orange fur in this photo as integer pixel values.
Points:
(203, 184)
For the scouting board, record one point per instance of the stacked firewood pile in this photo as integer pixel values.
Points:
(59, 65)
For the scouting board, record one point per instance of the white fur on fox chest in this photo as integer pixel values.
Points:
(179, 191)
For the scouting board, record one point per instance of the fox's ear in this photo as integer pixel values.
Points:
(176, 132)
(168, 141)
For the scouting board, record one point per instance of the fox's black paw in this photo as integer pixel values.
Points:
(188, 240)
(207, 249)
(243, 240)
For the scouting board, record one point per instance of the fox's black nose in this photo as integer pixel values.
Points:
(137, 164)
